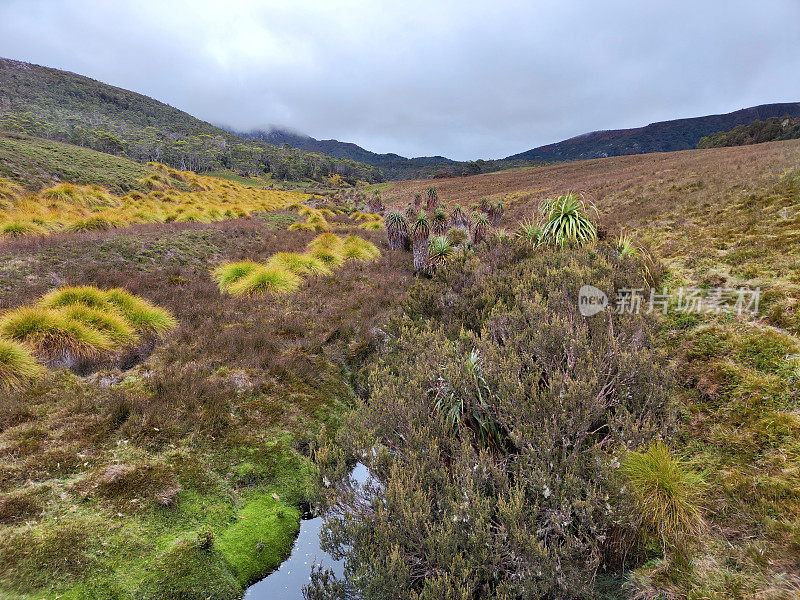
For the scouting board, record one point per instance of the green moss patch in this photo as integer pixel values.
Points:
(261, 538)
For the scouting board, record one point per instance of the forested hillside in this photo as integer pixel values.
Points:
(66, 107)
(769, 130)
(393, 166)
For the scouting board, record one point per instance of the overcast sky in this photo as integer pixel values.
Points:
(462, 79)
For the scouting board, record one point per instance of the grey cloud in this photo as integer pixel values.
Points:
(462, 79)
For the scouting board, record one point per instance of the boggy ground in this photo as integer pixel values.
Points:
(111, 482)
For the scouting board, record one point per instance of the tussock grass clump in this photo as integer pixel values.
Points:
(118, 329)
(74, 324)
(92, 224)
(51, 333)
(17, 365)
(668, 494)
(174, 196)
(86, 295)
(300, 264)
(20, 228)
(266, 280)
(144, 316)
(331, 258)
(359, 249)
(282, 273)
(315, 220)
(325, 241)
(227, 274)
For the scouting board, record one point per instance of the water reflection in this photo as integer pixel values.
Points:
(286, 583)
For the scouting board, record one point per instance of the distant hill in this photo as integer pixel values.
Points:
(770, 130)
(666, 136)
(63, 106)
(392, 165)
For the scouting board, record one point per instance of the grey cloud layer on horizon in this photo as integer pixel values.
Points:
(462, 79)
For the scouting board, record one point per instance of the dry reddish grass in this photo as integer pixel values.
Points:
(644, 184)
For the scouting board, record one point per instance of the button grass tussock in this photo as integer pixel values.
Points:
(265, 280)
(282, 273)
(17, 365)
(74, 324)
(75, 207)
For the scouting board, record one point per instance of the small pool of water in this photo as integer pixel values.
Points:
(286, 583)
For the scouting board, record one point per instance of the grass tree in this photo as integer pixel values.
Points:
(567, 220)
(420, 230)
(396, 230)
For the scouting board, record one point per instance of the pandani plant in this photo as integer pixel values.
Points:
(567, 220)
(439, 250)
(431, 199)
(458, 219)
(396, 230)
(439, 222)
(529, 232)
(420, 231)
(479, 226)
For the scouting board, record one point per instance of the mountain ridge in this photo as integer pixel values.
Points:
(661, 136)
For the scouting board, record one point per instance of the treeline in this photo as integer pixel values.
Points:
(66, 107)
(769, 130)
(199, 152)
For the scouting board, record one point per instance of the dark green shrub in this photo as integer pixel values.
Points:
(498, 420)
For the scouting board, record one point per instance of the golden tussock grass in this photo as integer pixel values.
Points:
(73, 207)
(283, 271)
(74, 323)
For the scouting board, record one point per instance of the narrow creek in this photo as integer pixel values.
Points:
(286, 583)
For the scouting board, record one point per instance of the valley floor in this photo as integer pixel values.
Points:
(109, 480)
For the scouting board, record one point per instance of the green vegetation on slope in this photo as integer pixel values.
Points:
(63, 106)
(37, 163)
(769, 130)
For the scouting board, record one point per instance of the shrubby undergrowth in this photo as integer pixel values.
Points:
(495, 429)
